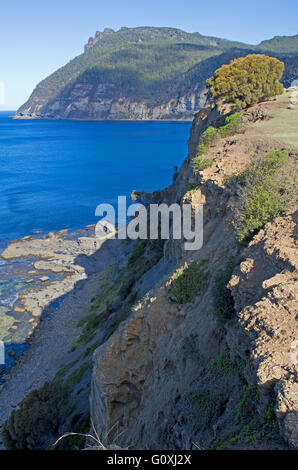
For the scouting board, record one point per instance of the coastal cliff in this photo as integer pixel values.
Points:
(175, 375)
(143, 73)
(180, 349)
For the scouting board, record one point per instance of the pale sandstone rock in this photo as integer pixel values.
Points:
(19, 310)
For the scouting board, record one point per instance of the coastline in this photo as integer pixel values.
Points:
(55, 326)
(45, 270)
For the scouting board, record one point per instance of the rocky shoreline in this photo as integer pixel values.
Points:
(55, 307)
(43, 270)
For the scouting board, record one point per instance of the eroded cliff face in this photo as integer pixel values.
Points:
(265, 292)
(83, 101)
(175, 376)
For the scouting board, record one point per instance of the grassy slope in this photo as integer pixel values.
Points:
(281, 44)
(283, 122)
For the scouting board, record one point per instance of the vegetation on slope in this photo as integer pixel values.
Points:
(232, 125)
(265, 193)
(188, 281)
(38, 418)
(280, 44)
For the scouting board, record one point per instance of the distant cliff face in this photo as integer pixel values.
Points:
(142, 73)
(86, 102)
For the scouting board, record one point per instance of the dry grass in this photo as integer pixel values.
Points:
(94, 438)
(283, 124)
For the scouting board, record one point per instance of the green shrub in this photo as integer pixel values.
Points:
(247, 80)
(224, 365)
(232, 125)
(76, 376)
(255, 426)
(237, 178)
(63, 371)
(201, 163)
(223, 303)
(202, 149)
(248, 403)
(206, 406)
(210, 135)
(188, 281)
(268, 421)
(38, 418)
(265, 194)
(76, 442)
(125, 287)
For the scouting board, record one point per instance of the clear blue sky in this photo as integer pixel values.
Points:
(38, 36)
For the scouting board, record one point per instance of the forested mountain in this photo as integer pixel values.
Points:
(143, 73)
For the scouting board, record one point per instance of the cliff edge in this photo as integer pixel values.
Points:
(219, 370)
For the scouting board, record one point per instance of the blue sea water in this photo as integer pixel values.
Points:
(53, 174)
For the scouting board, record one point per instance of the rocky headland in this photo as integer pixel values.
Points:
(116, 77)
(176, 349)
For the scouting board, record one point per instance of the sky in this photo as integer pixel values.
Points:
(37, 37)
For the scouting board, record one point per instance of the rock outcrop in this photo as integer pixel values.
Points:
(98, 35)
(173, 376)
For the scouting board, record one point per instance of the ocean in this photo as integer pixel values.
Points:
(53, 174)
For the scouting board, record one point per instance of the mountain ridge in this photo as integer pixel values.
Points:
(143, 73)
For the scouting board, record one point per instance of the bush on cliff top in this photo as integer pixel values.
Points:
(247, 80)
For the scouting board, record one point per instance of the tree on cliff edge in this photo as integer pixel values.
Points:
(247, 80)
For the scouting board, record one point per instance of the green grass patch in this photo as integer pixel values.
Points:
(108, 291)
(232, 125)
(247, 405)
(224, 365)
(205, 407)
(200, 163)
(76, 376)
(63, 371)
(137, 253)
(255, 426)
(90, 324)
(188, 281)
(77, 442)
